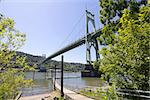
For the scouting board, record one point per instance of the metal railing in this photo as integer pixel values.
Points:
(134, 93)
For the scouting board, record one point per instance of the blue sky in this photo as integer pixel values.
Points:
(50, 24)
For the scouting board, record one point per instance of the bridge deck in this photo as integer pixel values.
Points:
(73, 45)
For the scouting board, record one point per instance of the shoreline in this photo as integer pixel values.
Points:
(37, 94)
(45, 96)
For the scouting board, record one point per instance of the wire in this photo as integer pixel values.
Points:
(81, 33)
(74, 27)
(71, 31)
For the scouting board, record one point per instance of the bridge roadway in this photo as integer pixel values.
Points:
(73, 45)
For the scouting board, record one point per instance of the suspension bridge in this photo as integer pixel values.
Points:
(90, 39)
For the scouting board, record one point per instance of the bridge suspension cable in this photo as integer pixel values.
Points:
(75, 25)
(79, 34)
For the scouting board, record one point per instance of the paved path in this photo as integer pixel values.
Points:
(72, 94)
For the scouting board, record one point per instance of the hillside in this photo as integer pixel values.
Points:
(33, 59)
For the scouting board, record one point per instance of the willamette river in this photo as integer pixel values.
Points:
(43, 82)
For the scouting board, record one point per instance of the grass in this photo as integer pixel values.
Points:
(95, 94)
(102, 93)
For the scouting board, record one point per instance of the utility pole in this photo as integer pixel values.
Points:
(62, 69)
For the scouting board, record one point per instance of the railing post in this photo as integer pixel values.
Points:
(62, 65)
(55, 78)
(51, 73)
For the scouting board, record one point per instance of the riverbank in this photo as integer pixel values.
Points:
(73, 82)
(68, 95)
(45, 96)
(71, 95)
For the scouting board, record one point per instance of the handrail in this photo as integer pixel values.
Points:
(134, 93)
(141, 91)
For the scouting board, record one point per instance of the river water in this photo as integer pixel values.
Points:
(72, 80)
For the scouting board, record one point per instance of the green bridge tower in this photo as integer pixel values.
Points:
(90, 41)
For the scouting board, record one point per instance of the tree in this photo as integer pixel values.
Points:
(110, 13)
(11, 79)
(127, 61)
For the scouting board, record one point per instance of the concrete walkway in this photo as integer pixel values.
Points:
(72, 95)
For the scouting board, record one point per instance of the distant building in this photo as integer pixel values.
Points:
(44, 55)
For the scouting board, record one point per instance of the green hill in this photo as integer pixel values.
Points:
(34, 59)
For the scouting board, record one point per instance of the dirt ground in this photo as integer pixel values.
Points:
(46, 96)
(52, 95)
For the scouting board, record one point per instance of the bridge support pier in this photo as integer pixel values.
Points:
(89, 71)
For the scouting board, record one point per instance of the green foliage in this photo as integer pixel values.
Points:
(11, 83)
(72, 67)
(96, 65)
(61, 98)
(11, 79)
(102, 93)
(110, 13)
(126, 62)
(109, 94)
(95, 94)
